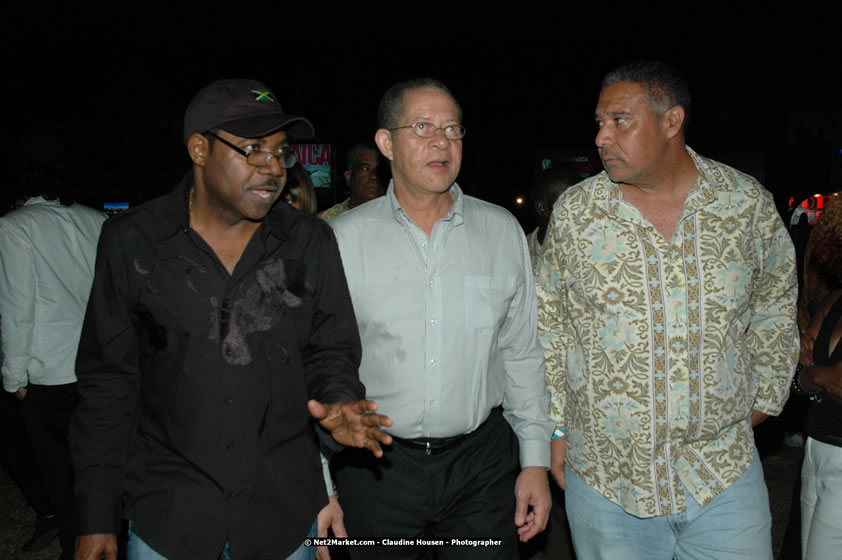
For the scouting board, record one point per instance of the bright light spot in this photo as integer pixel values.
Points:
(519, 201)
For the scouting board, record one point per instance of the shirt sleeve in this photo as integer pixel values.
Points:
(17, 305)
(331, 359)
(552, 317)
(525, 399)
(773, 337)
(108, 372)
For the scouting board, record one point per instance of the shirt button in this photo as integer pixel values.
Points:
(432, 402)
(432, 321)
(433, 362)
(432, 282)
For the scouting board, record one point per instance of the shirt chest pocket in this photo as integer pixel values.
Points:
(487, 300)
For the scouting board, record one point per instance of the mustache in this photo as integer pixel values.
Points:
(271, 183)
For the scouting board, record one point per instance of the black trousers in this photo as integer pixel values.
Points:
(46, 413)
(17, 457)
(465, 493)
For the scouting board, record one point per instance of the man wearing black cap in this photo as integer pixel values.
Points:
(214, 316)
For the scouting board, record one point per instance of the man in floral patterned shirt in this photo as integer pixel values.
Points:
(667, 297)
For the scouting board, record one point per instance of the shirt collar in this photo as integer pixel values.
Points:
(705, 190)
(41, 200)
(176, 210)
(456, 212)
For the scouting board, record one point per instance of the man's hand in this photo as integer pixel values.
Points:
(100, 546)
(757, 417)
(330, 516)
(353, 423)
(557, 452)
(21, 393)
(532, 489)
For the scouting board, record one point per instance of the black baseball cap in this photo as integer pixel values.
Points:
(246, 108)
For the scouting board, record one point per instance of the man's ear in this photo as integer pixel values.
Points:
(383, 139)
(348, 177)
(673, 121)
(199, 149)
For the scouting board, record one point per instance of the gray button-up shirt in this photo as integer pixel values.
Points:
(448, 322)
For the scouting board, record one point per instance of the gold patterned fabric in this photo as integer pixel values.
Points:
(657, 350)
(336, 210)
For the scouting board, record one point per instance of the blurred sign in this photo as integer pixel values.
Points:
(317, 159)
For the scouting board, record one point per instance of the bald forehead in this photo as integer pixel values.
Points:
(424, 92)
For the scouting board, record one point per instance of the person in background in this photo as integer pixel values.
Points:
(16, 455)
(47, 252)
(546, 188)
(362, 177)
(819, 376)
(299, 190)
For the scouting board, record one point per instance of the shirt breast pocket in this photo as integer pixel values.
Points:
(487, 300)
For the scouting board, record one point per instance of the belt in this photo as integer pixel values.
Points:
(434, 446)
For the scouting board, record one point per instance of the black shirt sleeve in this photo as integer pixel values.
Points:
(107, 368)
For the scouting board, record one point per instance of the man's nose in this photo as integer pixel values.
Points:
(274, 167)
(603, 136)
(439, 138)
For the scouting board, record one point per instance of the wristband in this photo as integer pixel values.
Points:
(558, 433)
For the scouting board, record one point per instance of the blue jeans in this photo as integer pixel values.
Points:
(736, 524)
(137, 549)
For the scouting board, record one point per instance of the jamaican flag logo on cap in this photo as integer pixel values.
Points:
(262, 95)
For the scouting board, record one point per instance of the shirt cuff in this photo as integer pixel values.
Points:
(12, 383)
(326, 474)
(534, 453)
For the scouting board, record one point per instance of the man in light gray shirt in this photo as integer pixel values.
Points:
(443, 293)
(47, 253)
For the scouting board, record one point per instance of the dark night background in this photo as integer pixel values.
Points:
(112, 87)
(764, 87)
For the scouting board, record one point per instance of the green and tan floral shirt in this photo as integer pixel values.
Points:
(658, 350)
(336, 210)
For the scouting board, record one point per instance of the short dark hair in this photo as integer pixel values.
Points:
(826, 240)
(356, 151)
(664, 86)
(52, 181)
(391, 104)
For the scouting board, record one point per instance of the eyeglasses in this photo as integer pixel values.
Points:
(260, 158)
(428, 130)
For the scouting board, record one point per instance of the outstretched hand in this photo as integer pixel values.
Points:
(354, 424)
